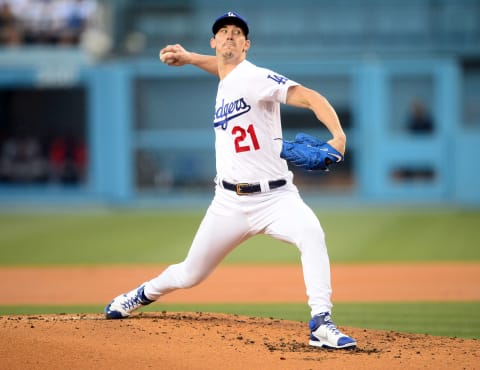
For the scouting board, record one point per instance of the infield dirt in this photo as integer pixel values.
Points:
(163, 340)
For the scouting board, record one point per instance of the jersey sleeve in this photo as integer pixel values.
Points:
(272, 86)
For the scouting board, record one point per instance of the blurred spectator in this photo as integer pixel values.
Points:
(21, 160)
(45, 21)
(420, 121)
(67, 157)
(74, 16)
(10, 33)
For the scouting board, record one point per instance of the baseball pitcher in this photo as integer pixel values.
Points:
(254, 191)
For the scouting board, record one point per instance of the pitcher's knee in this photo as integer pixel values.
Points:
(190, 279)
(311, 240)
(189, 282)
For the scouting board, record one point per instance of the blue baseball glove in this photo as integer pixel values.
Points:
(310, 153)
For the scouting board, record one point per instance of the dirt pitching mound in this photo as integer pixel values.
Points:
(212, 341)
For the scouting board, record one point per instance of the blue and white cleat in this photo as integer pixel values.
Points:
(123, 305)
(324, 333)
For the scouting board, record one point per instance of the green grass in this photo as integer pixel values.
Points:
(126, 237)
(96, 238)
(353, 236)
(452, 319)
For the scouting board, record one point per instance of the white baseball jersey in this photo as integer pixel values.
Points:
(247, 123)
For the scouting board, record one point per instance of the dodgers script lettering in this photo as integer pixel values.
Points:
(228, 111)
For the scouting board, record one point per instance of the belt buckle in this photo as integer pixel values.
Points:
(238, 188)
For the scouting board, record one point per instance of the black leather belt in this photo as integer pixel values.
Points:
(244, 188)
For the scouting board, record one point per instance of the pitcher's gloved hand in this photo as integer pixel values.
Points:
(310, 153)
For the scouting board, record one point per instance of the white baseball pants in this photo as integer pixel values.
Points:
(232, 219)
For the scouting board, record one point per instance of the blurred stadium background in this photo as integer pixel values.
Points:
(88, 114)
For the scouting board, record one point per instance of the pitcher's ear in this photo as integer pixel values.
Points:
(247, 45)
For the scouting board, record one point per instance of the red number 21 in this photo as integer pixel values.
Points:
(241, 137)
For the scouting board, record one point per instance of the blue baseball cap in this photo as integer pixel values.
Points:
(230, 18)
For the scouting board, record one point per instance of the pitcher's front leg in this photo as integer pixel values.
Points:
(217, 235)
